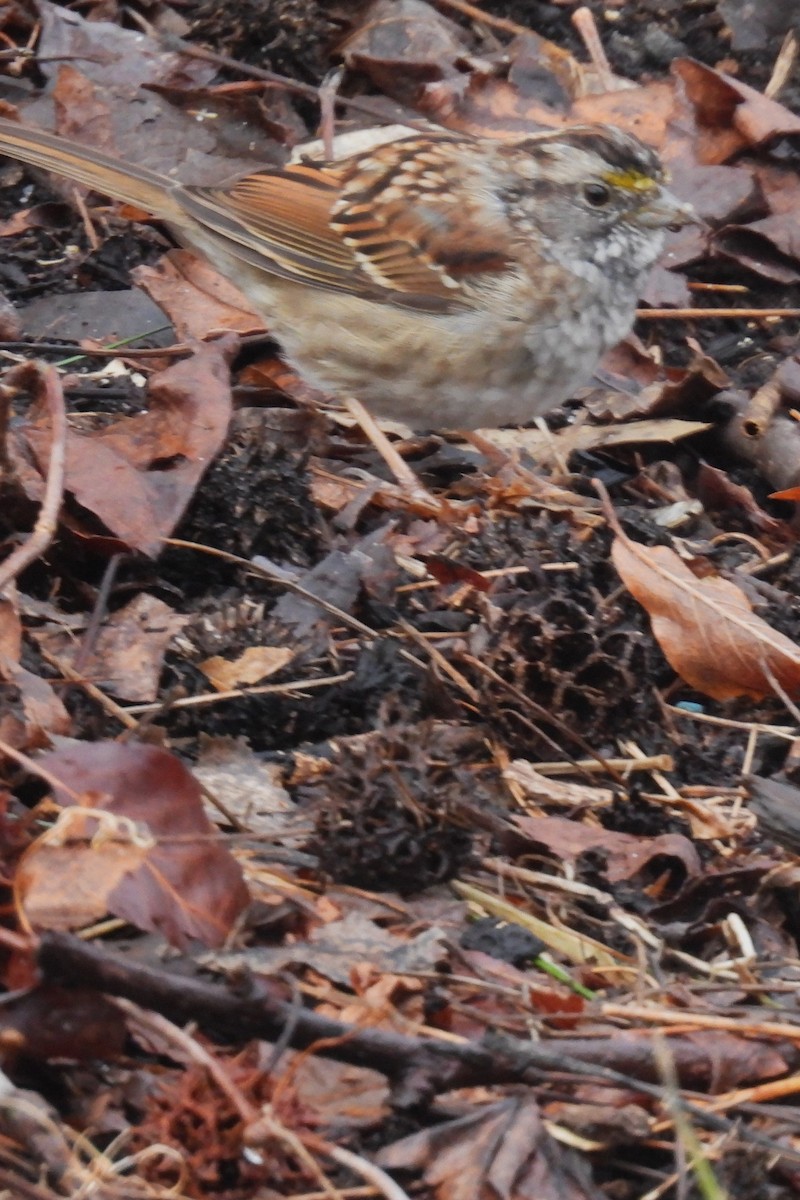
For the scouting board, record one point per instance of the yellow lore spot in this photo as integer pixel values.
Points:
(630, 181)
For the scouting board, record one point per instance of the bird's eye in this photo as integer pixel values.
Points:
(597, 194)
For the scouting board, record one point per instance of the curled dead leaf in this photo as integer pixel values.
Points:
(706, 627)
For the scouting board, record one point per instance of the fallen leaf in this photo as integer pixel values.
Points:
(62, 1023)
(27, 718)
(128, 652)
(626, 854)
(195, 297)
(336, 948)
(139, 474)
(706, 628)
(731, 116)
(718, 493)
(138, 845)
(248, 788)
(104, 317)
(546, 446)
(253, 665)
(501, 1152)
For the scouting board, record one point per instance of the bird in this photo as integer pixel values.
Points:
(442, 280)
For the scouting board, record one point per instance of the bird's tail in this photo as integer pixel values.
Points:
(109, 176)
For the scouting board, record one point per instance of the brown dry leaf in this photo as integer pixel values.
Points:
(36, 711)
(403, 44)
(654, 112)
(484, 106)
(717, 492)
(195, 297)
(139, 846)
(54, 1022)
(65, 878)
(128, 653)
(337, 1094)
(253, 665)
(139, 474)
(544, 447)
(501, 1152)
(718, 193)
(706, 628)
(626, 854)
(626, 1125)
(250, 789)
(113, 55)
(731, 116)
(335, 949)
(111, 102)
(770, 248)
(780, 186)
(415, 55)
(664, 288)
(652, 390)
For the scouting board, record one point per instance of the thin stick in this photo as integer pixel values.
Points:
(690, 314)
(583, 21)
(358, 104)
(45, 527)
(784, 65)
(477, 14)
(266, 689)
(653, 762)
(34, 768)
(396, 464)
(366, 1169)
(669, 1016)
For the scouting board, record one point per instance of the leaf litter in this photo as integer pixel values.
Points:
(440, 851)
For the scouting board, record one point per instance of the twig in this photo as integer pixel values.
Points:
(328, 92)
(477, 14)
(784, 65)
(39, 771)
(653, 762)
(98, 614)
(420, 1066)
(265, 689)
(784, 731)
(111, 351)
(47, 521)
(366, 1169)
(358, 104)
(68, 672)
(690, 314)
(583, 21)
(671, 1016)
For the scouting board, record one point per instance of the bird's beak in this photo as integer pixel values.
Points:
(666, 211)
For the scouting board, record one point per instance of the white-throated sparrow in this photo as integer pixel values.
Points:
(444, 281)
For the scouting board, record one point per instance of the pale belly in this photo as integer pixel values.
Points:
(429, 371)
